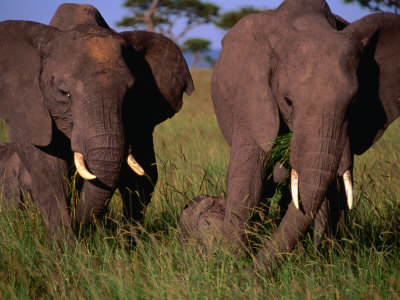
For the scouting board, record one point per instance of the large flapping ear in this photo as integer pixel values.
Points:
(69, 15)
(241, 91)
(378, 102)
(165, 59)
(21, 100)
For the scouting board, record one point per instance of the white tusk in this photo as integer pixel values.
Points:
(294, 182)
(135, 166)
(81, 168)
(348, 186)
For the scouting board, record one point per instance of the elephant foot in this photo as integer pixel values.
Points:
(202, 225)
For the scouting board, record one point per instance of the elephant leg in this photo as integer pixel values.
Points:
(11, 173)
(330, 218)
(45, 172)
(246, 185)
(136, 191)
(49, 185)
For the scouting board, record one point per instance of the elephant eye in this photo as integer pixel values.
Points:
(65, 94)
(288, 101)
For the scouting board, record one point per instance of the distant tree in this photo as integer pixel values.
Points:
(378, 5)
(196, 46)
(162, 16)
(229, 19)
(209, 60)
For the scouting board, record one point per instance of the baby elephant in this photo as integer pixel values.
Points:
(14, 178)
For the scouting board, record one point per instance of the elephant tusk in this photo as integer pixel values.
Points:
(81, 168)
(348, 186)
(294, 183)
(134, 165)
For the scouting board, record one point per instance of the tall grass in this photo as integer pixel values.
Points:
(121, 261)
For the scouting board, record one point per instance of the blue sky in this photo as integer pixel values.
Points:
(112, 11)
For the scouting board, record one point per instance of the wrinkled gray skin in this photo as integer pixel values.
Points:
(297, 68)
(78, 85)
(14, 178)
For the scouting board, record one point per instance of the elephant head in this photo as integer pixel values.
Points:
(301, 69)
(101, 89)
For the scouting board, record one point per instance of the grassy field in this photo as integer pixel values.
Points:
(192, 160)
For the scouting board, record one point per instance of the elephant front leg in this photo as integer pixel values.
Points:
(49, 186)
(246, 185)
(136, 191)
(330, 219)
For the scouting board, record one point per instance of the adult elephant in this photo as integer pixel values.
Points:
(79, 91)
(301, 69)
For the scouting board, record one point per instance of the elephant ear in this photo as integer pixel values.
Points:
(378, 101)
(69, 15)
(168, 67)
(243, 99)
(21, 100)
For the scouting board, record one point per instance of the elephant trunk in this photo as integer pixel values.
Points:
(98, 137)
(106, 163)
(315, 170)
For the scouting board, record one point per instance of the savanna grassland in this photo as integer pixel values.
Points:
(119, 261)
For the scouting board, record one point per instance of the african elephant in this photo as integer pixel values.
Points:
(78, 91)
(301, 69)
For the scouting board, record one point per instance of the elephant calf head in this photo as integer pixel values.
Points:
(105, 91)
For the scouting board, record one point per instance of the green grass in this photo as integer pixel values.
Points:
(192, 159)
(3, 132)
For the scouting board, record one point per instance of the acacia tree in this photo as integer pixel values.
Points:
(196, 46)
(379, 5)
(227, 20)
(163, 15)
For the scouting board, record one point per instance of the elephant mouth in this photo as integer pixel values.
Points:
(80, 165)
(348, 186)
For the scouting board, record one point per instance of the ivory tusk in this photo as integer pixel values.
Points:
(294, 183)
(81, 168)
(348, 186)
(134, 165)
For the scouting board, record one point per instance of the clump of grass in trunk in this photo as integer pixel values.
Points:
(280, 155)
(280, 152)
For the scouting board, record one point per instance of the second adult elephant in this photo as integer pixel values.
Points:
(300, 69)
(78, 90)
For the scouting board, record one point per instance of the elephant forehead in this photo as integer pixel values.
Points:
(103, 49)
